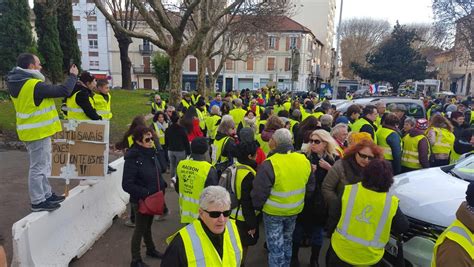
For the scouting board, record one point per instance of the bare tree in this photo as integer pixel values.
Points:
(359, 37)
(457, 18)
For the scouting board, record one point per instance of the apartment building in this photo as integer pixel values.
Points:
(319, 17)
(91, 27)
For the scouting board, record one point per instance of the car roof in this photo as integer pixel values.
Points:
(368, 100)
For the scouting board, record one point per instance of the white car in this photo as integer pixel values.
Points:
(430, 199)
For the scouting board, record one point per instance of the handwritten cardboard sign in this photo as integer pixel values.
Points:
(80, 150)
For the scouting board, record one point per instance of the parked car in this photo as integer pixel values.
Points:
(430, 199)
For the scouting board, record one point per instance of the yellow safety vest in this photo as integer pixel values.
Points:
(444, 141)
(130, 141)
(160, 133)
(458, 233)
(194, 99)
(241, 172)
(318, 114)
(292, 125)
(472, 117)
(34, 122)
(349, 97)
(200, 251)
(378, 121)
(410, 156)
(287, 195)
(364, 227)
(102, 106)
(453, 156)
(277, 108)
(217, 148)
(211, 125)
(287, 105)
(381, 135)
(74, 111)
(185, 103)
(357, 125)
(263, 144)
(157, 107)
(238, 115)
(192, 176)
(201, 116)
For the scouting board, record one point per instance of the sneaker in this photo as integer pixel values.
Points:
(45, 206)
(138, 263)
(129, 223)
(55, 199)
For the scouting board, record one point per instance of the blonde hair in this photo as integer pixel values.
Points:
(327, 138)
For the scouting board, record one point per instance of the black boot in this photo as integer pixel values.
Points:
(294, 256)
(313, 261)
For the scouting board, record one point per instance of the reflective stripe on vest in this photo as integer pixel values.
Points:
(382, 135)
(241, 172)
(217, 148)
(201, 116)
(444, 140)
(161, 107)
(74, 111)
(458, 233)
(192, 176)
(364, 226)
(34, 122)
(102, 106)
(410, 157)
(287, 194)
(160, 133)
(358, 124)
(211, 125)
(201, 252)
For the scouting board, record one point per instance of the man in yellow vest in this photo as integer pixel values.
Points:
(381, 108)
(185, 102)
(158, 104)
(416, 148)
(212, 240)
(455, 246)
(193, 175)
(237, 113)
(279, 190)
(81, 106)
(36, 121)
(368, 215)
(389, 139)
(366, 122)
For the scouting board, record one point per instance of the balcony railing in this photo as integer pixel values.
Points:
(145, 49)
(143, 70)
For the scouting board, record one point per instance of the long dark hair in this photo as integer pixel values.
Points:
(137, 121)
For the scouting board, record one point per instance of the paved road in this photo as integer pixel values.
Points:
(112, 249)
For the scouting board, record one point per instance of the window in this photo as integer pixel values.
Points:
(91, 18)
(287, 64)
(271, 63)
(309, 65)
(93, 54)
(272, 42)
(192, 64)
(146, 42)
(229, 64)
(92, 27)
(292, 42)
(250, 64)
(76, 18)
(94, 64)
(93, 44)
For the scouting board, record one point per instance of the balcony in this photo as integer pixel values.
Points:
(146, 49)
(143, 70)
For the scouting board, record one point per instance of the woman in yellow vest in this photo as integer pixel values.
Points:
(160, 124)
(416, 148)
(441, 137)
(212, 122)
(368, 214)
(80, 105)
(455, 246)
(245, 215)
(197, 244)
(273, 123)
(224, 147)
(249, 120)
(463, 144)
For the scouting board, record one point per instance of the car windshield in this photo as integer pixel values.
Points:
(464, 169)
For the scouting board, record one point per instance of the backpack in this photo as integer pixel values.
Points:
(228, 181)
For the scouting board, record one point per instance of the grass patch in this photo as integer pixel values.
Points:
(125, 106)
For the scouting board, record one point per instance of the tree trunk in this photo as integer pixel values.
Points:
(124, 42)
(176, 63)
(201, 76)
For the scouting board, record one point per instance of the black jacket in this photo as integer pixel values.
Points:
(82, 99)
(230, 148)
(176, 139)
(141, 172)
(367, 129)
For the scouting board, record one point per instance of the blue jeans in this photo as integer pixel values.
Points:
(279, 233)
(39, 152)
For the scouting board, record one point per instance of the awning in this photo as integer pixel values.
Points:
(100, 75)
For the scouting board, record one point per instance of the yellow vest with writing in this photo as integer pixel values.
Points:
(364, 227)
(458, 233)
(34, 122)
(201, 252)
(74, 111)
(102, 106)
(192, 176)
(288, 191)
(410, 156)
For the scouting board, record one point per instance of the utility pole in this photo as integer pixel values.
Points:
(335, 81)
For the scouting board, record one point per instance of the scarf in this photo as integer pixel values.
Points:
(35, 73)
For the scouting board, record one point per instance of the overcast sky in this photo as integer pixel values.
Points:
(405, 11)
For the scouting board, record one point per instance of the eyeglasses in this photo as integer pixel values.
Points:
(364, 156)
(147, 140)
(217, 214)
(315, 141)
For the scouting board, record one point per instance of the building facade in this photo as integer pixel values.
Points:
(319, 17)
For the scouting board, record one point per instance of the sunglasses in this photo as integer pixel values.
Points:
(147, 140)
(364, 156)
(315, 141)
(217, 214)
